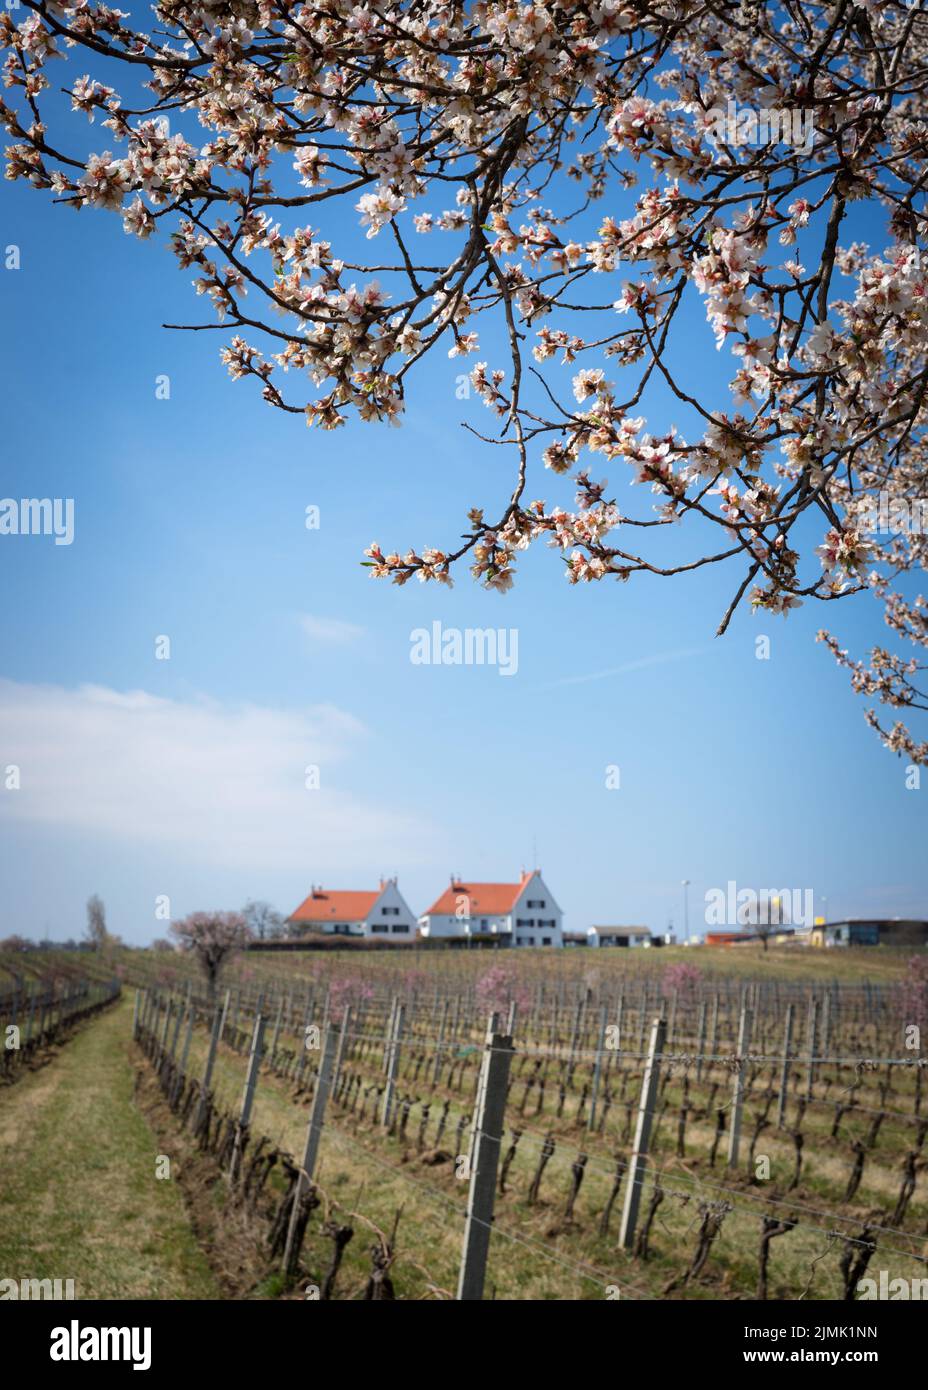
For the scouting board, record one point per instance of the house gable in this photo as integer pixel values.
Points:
(357, 913)
(525, 912)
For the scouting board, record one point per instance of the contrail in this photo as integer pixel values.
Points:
(659, 659)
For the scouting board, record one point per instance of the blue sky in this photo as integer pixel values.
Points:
(185, 777)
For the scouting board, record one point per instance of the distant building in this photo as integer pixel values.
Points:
(730, 938)
(884, 931)
(519, 914)
(774, 936)
(381, 914)
(619, 936)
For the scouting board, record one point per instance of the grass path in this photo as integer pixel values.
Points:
(78, 1194)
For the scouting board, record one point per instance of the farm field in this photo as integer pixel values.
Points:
(782, 1160)
(79, 1200)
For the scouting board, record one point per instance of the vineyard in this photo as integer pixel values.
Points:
(40, 1012)
(357, 1129)
(473, 1131)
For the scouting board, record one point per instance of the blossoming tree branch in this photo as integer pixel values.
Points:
(571, 177)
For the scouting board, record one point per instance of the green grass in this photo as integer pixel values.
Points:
(79, 1197)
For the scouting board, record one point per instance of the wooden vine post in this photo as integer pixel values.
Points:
(248, 1096)
(639, 1158)
(597, 1067)
(207, 1071)
(489, 1114)
(737, 1100)
(784, 1074)
(393, 1062)
(313, 1134)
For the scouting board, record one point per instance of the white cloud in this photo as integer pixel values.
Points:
(331, 630)
(218, 784)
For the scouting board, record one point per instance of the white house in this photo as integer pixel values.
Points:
(619, 936)
(381, 914)
(524, 913)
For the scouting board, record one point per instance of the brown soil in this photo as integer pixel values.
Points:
(232, 1236)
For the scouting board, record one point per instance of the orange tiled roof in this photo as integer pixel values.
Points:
(484, 899)
(335, 906)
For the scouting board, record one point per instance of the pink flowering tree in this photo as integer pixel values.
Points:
(499, 987)
(684, 978)
(348, 991)
(578, 181)
(213, 938)
(912, 993)
(15, 943)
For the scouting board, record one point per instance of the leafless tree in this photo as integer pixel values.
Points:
(263, 921)
(96, 932)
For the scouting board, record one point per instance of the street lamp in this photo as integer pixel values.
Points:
(686, 910)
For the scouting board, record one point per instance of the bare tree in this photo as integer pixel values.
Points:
(765, 916)
(213, 937)
(263, 921)
(96, 932)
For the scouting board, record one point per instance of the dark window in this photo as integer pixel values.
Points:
(546, 941)
(397, 927)
(380, 926)
(390, 911)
